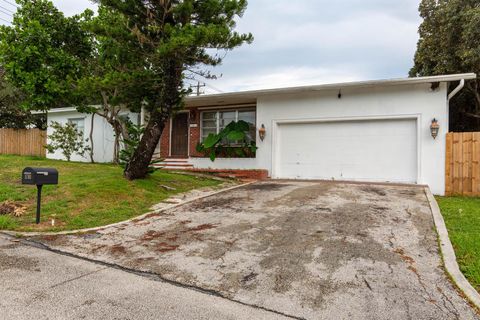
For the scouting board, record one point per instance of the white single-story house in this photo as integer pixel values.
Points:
(378, 131)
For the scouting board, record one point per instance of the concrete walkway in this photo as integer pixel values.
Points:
(38, 284)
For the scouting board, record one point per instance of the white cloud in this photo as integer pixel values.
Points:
(335, 41)
(283, 77)
(72, 7)
(314, 41)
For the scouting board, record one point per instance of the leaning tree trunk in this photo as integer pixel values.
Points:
(138, 166)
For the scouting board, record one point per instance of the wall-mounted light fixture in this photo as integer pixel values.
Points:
(193, 116)
(434, 128)
(339, 94)
(262, 132)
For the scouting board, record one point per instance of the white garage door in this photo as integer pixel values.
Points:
(373, 150)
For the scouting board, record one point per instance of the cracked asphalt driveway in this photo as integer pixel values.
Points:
(315, 250)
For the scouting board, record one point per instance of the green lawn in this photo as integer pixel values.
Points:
(88, 195)
(462, 216)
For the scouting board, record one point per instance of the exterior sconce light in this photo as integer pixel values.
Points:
(193, 116)
(434, 128)
(262, 132)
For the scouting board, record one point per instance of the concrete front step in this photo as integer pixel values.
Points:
(173, 168)
(176, 160)
(174, 164)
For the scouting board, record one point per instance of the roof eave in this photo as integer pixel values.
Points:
(252, 96)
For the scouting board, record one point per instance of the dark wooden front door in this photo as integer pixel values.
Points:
(180, 135)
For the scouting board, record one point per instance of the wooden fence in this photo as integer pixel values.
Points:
(463, 164)
(22, 142)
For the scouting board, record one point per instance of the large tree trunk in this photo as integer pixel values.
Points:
(170, 98)
(138, 166)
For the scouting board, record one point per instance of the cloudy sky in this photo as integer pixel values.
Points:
(313, 41)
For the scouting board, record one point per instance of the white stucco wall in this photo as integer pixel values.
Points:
(405, 101)
(103, 136)
(381, 102)
(224, 163)
(409, 101)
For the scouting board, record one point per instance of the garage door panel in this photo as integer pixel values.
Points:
(381, 150)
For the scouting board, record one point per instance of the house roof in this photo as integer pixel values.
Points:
(250, 97)
(247, 97)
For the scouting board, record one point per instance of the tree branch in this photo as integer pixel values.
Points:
(473, 115)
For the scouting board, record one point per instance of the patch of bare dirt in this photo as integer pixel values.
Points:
(166, 247)
(202, 227)
(118, 249)
(12, 208)
(374, 190)
(49, 238)
(265, 186)
(217, 203)
(300, 196)
(152, 234)
(404, 257)
(20, 263)
(171, 239)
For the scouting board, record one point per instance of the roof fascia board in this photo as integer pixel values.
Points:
(324, 87)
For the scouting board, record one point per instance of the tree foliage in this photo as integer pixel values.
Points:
(68, 139)
(174, 38)
(78, 61)
(42, 52)
(450, 43)
(135, 54)
(111, 76)
(231, 141)
(11, 114)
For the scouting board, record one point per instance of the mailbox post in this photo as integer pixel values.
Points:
(39, 177)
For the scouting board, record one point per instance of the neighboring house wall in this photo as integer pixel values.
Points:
(103, 135)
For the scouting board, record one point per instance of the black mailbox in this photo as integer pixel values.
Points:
(39, 176)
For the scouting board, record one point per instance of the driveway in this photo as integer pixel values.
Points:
(315, 250)
(41, 285)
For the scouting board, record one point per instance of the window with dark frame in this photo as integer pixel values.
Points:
(216, 121)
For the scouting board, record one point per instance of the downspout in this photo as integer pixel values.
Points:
(450, 96)
(456, 90)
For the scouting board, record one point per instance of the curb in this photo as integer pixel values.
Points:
(449, 257)
(143, 216)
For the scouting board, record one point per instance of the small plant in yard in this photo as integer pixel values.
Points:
(68, 139)
(234, 140)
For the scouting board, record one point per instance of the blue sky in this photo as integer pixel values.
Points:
(313, 42)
